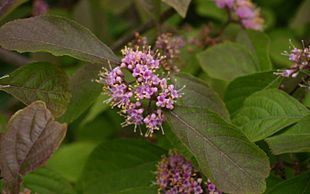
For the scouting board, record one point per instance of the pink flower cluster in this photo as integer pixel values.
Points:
(176, 175)
(247, 13)
(137, 89)
(300, 59)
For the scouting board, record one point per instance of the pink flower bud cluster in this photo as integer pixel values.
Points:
(248, 14)
(170, 46)
(136, 87)
(176, 175)
(300, 59)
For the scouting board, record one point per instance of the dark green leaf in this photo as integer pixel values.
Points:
(180, 6)
(57, 35)
(258, 44)
(198, 94)
(32, 136)
(295, 139)
(242, 87)
(224, 154)
(299, 184)
(227, 61)
(121, 166)
(70, 159)
(267, 112)
(84, 91)
(46, 181)
(3, 122)
(6, 6)
(39, 81)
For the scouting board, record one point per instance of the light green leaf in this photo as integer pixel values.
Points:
(227, 61)
(70, 159)
(267, 112)
(180, 6)
(98, 107)
(198, 94)
(46, 181)
(56, 35)
(299, 184)
(258, 44)
(242, 87)
(295, 139)
(209, 9)
(84, 91)
(224, 154)
(39, 81)
(121, 166)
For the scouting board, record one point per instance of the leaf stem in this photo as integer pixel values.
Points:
(142, 29)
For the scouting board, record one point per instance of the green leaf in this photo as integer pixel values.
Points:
(180, 6)
(198, 94)
(121, 166)
(46, 181)
(267, 112)
(56, 35)
(258, 44)
(98, 107)
(3, 122)
(224, 154)
(84, 91)
(32, 136)
(302, 17)
(39, 81)
(227, 61)
(209, 9)
(295, 139)
(70, 159)
(299, 184)
(242, 87)
(6, 6)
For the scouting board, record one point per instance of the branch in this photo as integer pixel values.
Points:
(142, 29)
(13, 58)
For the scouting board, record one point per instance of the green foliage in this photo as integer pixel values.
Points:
(228, 60)
(47, 181)
(7, 6)
(70, 159)
(84, 91)
(267, 112)
(56, 35)
(224, 154)
(198, 94)
(298, 184)
(258, 44)
(121, 166)
(294, 139)
(242, 87)
(39, 81)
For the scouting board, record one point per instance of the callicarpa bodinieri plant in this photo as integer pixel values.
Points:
(154, 97)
